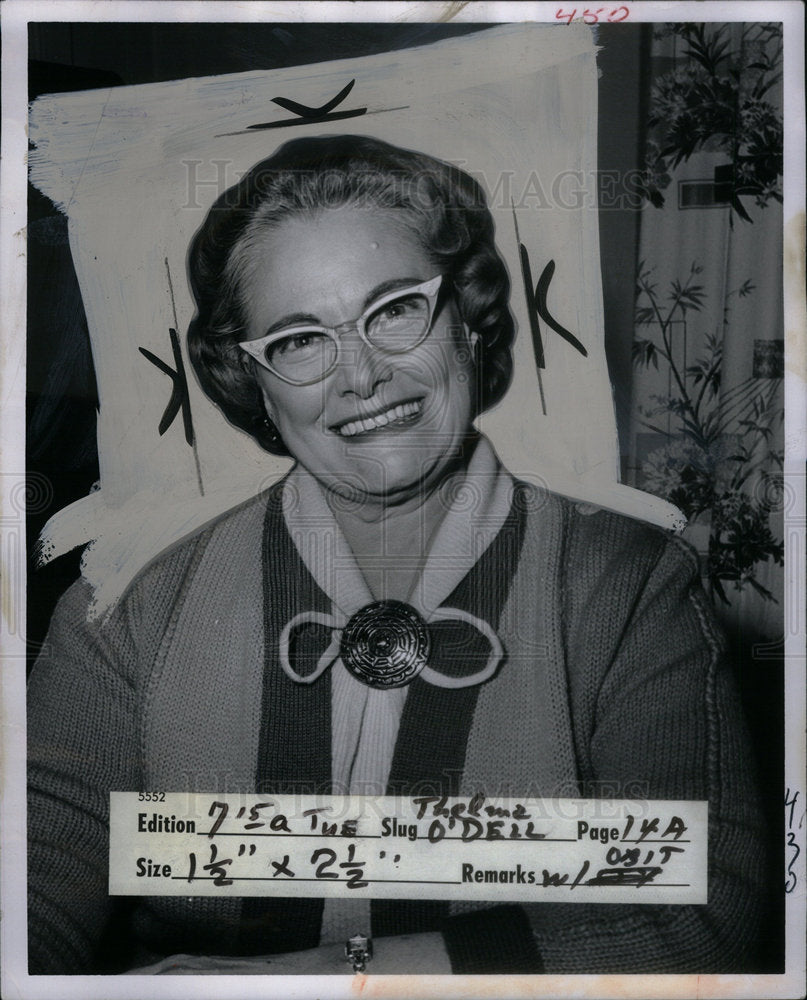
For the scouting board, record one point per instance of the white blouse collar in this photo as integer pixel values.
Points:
(479, 506)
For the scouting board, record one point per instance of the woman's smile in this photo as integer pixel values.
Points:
(381, 423)
(392, 418)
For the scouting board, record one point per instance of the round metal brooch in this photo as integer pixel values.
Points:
(385, 644)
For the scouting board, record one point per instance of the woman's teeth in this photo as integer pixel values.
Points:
(400, 412)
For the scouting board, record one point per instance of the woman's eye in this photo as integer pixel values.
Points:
(406, 310)
(398, 309)
(298, 343)
(398, 323)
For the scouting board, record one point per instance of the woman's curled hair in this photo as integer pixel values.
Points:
(443, 206)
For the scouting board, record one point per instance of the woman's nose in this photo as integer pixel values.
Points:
(362, 367)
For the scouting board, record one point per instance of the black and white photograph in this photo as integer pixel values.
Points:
(403, 499)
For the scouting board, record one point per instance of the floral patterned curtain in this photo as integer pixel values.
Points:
(707, 410)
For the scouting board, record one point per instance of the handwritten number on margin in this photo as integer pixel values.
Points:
(790, 805)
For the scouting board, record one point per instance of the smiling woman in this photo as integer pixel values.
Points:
(364, 285)
(387, 417)
(352, 311)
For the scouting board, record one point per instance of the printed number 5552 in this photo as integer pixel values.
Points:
(151, 796)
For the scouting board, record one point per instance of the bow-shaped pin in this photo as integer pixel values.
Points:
(397, 659)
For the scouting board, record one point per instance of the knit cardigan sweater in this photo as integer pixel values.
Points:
(614, 686)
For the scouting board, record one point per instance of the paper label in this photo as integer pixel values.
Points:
(426, 847)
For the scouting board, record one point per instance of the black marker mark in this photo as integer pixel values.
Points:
(305, 112)
(180, 399)
(179, 393)
(540, 300)
(532, 312)
(537, 306)
(307, 115)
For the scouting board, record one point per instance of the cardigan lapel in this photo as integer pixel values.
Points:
(202, 703)
(294, 749)
(520, 742)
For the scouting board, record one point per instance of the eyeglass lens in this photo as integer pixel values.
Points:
(397, 325)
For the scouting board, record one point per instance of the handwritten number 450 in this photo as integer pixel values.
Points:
(592, 16)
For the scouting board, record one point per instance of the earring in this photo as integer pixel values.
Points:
(271, 431)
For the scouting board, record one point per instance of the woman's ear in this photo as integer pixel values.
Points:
(249, 365)
(246, 362)
(473, 339)
(269, 406)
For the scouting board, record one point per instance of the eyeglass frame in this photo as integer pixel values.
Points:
(430, 289)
